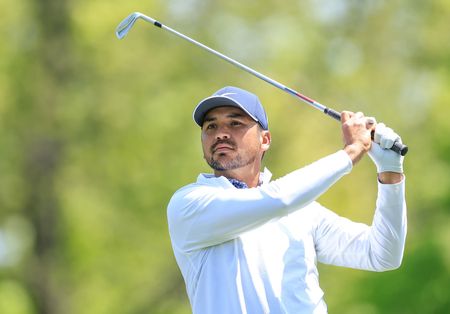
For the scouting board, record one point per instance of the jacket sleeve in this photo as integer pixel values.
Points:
(203, 215)
(378, 247)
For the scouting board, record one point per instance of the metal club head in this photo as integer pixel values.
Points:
(124, 26)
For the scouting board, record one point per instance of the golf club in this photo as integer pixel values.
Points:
(125, 26)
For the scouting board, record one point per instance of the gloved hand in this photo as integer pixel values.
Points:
(380, 153)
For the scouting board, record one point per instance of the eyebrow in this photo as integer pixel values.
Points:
(230, 115)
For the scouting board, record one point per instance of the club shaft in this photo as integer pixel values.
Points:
(398, 147)
(263, 77)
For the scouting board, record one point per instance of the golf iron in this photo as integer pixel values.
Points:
(124, 27)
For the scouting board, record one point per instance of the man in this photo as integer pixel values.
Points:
(246, 244)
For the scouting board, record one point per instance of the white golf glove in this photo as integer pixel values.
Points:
(380, 153)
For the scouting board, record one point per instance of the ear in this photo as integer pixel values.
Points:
(265, 140)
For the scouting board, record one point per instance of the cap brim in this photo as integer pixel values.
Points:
(213, 102)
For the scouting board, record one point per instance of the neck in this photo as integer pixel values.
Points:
(248, 174)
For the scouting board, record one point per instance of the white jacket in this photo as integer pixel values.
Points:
(255, 250)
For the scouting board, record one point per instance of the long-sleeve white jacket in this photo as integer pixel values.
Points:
(255, 250)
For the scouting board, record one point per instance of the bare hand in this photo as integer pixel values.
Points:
(356, 132)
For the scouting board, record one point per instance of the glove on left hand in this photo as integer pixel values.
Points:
(380, 153)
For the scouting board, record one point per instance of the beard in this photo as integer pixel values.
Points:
(224, 162)
(235, 163)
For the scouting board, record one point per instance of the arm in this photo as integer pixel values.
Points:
(378, 247)
(201, 216)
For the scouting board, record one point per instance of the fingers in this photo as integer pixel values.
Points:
(356, 134)
(358, 117)
(385, 136)
(371, 123)
(346, 115)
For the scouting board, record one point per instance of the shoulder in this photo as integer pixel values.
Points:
(187, 192)
(197, 193)
(205, 183)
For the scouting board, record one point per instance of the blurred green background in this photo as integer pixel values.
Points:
(96, 135)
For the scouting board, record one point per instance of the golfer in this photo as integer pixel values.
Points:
(246, 244)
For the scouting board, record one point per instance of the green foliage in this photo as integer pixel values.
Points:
(96, 135)
(424, 276)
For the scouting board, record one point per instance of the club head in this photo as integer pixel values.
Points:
(127, 24)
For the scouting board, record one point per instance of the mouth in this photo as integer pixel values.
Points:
(221, 147)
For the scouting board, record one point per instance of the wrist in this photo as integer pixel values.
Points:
(389, 177)
(355, 151)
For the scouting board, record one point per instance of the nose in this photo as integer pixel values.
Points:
(222, 133)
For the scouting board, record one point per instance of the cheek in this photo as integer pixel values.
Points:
(252, 141)
(205, 144)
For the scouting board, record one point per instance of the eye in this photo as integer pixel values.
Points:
(210, 126)
(235, 123)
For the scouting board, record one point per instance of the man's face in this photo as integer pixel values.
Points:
(231, 139)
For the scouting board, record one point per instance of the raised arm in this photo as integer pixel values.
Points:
(378, 247)
(202, 215)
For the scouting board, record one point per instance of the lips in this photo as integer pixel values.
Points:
(218, 147)
(222, 148)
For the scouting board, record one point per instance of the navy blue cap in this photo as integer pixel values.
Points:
(235, 97)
